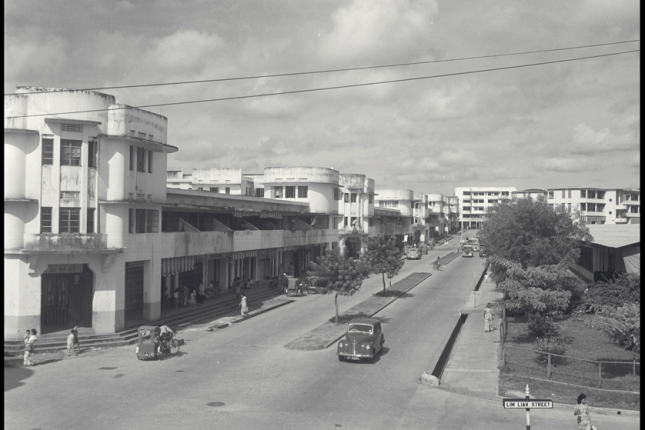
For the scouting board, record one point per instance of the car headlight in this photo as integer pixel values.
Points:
(340, 344)
(367, 346)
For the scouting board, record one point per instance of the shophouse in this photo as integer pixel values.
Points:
(598, 205)
(93, 237)
(355, 210)
(404, 201)
(76, 185)
(474, 203)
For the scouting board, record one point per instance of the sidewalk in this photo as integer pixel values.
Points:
(473, 365)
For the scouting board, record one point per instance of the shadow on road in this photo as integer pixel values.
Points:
(393, 293)
(14, 374)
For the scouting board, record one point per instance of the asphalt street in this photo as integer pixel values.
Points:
(242, 377)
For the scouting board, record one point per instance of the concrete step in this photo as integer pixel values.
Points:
(200, 314)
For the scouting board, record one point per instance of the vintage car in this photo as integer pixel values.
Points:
(482, 253)
(363, 340)
(467, 251)
(413, 254)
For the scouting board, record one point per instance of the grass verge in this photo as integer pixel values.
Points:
(575, 375)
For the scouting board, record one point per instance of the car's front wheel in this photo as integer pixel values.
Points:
(340, 358)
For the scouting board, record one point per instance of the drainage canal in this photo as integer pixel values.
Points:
(481, 278)
(445, 355)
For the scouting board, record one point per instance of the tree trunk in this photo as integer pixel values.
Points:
(383, 274)
(336, 302)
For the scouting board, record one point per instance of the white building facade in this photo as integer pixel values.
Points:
(598, 205)
(474, 203)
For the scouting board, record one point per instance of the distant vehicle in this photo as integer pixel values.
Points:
(413, 254)
(476, 248)
(482, 253)
(467, 251)
(363, 340)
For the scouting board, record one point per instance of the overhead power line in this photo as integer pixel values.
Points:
(519, 66)
(277, 75)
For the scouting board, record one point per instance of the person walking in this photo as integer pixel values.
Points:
(70, 344)
(185, 295)
(77, 342)
(243, 306)
(201, 294)
(29, 348)
(238, 287)
(488, 318)
(581, 410)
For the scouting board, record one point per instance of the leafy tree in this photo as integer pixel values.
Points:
(337, 274)
(530, 233)
(384, 257)
(622, 325)
(625, 288)
(544, 290)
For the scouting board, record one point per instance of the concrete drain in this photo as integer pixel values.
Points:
(215, 404)
(108, 368)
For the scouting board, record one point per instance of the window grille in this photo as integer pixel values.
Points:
(302, 192)
(290, 192)
(90, 220)
(48, 150)
(45, 220)
(69, 220)
(72, 127)
(70, 152)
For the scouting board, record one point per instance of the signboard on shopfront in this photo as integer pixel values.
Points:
(63, 268)
(528, 404)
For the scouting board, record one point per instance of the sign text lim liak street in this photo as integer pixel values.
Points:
(529, 404)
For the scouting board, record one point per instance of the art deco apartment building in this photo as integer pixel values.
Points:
(475, 201)
(411, 225)
(599, 205)
(93, 237)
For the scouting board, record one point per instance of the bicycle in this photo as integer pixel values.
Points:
(167, 347)
(437, 266)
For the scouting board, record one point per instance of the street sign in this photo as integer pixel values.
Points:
(527, 404)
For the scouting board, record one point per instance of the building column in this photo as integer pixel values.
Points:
(151, 294)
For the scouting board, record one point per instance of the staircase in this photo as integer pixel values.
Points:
(209, 311)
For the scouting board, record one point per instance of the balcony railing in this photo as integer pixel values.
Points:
(65, 242)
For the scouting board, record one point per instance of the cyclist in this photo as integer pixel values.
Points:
(165, 335)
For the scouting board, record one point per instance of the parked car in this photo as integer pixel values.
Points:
(482, 253)
(467, 251)
(413, 254)
(363, 340)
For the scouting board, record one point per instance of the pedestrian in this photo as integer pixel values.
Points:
(70, 343)
(285, 283)
(488, 318)
(238, 287)
(247, 284)
(185, 293)
(29, 347)
(77, 343)
(245, 308)
(581, 410)
(201, 293)
(192, 299)
(486, 278)
(175, 298)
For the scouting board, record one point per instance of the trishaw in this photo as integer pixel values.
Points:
(150, 345)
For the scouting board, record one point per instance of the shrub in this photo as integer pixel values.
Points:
(622, 325)
(614, 293)
(552, 345)
(542, 326)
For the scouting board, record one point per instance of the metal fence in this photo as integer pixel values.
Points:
(616, 375)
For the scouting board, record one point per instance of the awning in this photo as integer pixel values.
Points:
(632, 258)
(170, 266)
(270, 214)
(240, 214)
(244, 254)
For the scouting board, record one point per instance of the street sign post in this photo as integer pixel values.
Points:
(527, 403)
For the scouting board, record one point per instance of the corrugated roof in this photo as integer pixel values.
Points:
(615, 235)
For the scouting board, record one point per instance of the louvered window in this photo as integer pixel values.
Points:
(48, 150)
(72, 127)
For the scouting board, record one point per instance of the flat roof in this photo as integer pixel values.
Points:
(615, 235)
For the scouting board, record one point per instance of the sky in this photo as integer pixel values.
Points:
(573, 123)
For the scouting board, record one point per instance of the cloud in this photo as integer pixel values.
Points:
(377, 29)
(587, 140)
(566, 164)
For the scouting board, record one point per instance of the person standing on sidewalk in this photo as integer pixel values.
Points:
(244, 307)
(29, 348)
(582, 411)
(77, 343)
(201, 293)
(488, 318)
(70, 343)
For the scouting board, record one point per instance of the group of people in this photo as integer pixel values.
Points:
(185, 297)
(239, 285)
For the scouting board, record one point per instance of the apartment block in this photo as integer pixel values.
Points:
(598, 205)
(474, 203)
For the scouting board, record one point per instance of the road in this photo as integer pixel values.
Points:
(242, 377)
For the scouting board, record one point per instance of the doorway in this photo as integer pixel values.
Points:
(66, 298)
